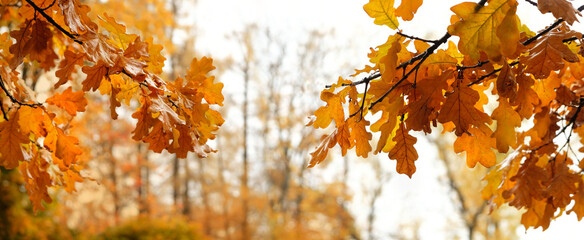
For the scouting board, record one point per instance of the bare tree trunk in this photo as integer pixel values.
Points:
(175, 183)
(204, 197)
(114, 179)
(186, 211)
(224, 210)
(244, 178)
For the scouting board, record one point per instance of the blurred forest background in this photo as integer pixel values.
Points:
(257, 185)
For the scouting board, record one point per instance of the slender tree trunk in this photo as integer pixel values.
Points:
(244, 178)
(114, 179)
(186, 211)
(175, 183)
(139, 168)
(224, 210)
(204, 197)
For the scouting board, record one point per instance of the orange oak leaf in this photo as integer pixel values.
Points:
(167, 116)
(549, 52)
(145, 119)
(459, 108)
(67, 66)
(65, 148)
(407, 9)
(477, 144)
(320, 153)
(333, 110)
(11, 141)
(383, 12)
(424, 110)
(559, 8)
(578, 197)
(404, 152)
(526, 98)
(76, 16)
(499, 178)
(563, 183)
(158, 139)
(506, 84)
(538, 215)
(33, 120)
(387, 124)
(71, 102)
(22, 46)
(360, 137)
(95, 75)
(41, 42)
(183, 144)
(36, 180)
(530, 181)
(507, 120)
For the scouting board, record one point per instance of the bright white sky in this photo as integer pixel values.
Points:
(422, 198)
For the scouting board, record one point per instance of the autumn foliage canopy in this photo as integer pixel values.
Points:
(85, 56)
(499, 87)
(533, 79)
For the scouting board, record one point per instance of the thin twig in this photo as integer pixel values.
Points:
(13, 99)
(423, 58)
(416, 38)
(491, 73)
(479, 64)
(531, 2)
(52, 21)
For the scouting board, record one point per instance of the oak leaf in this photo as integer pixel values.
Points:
(578, 197)
(67, 66)
(360, 137)
(478, 31)
(530, 181)
(559, 8)
(477, 144)
(71, 102)
(404, 152)
(563, 183)
(407, 9)
(549, 52)
(11, 141)
(95, 75)
(507, 120)
(459, 108)
(383, 12)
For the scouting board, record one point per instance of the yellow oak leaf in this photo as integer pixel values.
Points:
(546, 88)
(478, 30)
(383, 12)
(507, 121)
